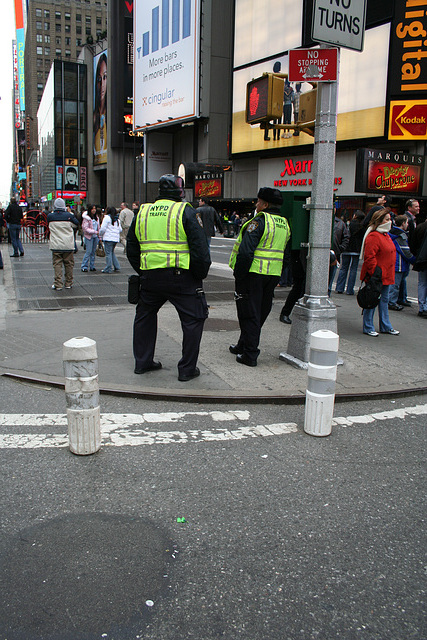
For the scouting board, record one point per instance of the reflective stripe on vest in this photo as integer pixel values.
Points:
(268, 256)
(162, 239)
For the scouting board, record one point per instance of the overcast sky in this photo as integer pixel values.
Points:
(7, 30)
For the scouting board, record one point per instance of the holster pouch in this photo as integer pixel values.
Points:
(133, 289)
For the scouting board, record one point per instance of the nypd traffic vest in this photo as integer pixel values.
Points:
(268, 256)
(161, 236)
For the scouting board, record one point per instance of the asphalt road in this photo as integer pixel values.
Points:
(286, 536)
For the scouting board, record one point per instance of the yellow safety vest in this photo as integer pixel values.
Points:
(161, 236)
(268, 256)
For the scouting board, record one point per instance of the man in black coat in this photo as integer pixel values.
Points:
(210, 219)
(14, 216)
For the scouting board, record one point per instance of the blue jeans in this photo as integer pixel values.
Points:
(395, 288)
(15, 230)
(349, 261)
(422, 290)
(89, 257)
(332, 272)
(368, 314)
(110, 257)
(403, 293)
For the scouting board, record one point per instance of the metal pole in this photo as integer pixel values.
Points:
(315, 311)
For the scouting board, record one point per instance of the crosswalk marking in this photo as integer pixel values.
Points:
(133, 429)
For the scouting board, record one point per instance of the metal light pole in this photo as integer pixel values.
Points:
(315, 311)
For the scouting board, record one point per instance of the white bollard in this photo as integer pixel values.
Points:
(322, 375)
(82, 395)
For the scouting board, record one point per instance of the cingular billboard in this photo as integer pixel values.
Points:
(166, 61)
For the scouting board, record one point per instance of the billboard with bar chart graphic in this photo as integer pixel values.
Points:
(166, 61)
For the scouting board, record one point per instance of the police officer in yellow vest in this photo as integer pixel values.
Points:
(256, 261)
(167, 246)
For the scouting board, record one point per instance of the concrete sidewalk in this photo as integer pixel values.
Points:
(31, 348)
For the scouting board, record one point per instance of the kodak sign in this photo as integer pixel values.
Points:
(408, 120)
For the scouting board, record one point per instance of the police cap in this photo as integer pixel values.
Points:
(171, 186)
(272, 196)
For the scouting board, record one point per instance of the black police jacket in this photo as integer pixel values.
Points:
(200, 260)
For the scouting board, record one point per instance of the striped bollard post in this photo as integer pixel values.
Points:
(322, 375)
(82, 395)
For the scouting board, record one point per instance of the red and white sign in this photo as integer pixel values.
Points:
(408, 120)
(313, 65)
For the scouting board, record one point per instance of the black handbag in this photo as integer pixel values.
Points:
(369, 294)
(133, 289)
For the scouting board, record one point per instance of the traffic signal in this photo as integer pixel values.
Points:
(264, 99)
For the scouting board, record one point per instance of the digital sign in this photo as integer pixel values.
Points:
(393, 172)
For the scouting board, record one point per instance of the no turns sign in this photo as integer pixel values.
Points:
(339, 22)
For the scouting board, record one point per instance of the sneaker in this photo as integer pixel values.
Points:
(68, 286)
(56, 288)
(84, 269)
(395, 307)
(373, 334)
(392, 332)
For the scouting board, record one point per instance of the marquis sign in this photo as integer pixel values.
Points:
(339, 22)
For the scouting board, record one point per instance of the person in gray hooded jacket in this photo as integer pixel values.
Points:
(61, 243)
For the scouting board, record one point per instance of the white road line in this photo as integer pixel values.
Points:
(121, 430)
(131, 437)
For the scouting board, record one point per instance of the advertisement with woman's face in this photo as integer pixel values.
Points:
(100, 109)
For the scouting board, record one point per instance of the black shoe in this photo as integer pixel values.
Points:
(338, 291)
(190, 376)
(422, 314)
(14, 255)
(21, 254)
(285, 319)
(395, 307)
(153, 367)
(407, 303)
(233, 348)
(92, 269)
(242, 359)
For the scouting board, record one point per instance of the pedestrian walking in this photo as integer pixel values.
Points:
(14, 217)
(167, 246)
(90, 229)
(256, 260)
(125, 217)
(378, 250)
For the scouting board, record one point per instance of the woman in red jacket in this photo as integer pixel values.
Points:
(378, 250)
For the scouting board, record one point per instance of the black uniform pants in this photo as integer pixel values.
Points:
(185, 292)
(254, 298)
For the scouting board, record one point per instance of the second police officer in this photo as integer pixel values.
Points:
(167, 246)
(256, 260)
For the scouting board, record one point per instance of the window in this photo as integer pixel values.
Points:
(67, 53)
(58, 15)
(39, 75)
(67, 28)
(58, 28)
(39, 62)
(78, 42)
(47, 51)
(46, 13)
(58, 41)
(98, 32)
(40, 86)
(58, 53)
(39, 51)
(67, 16)
(39, 26)
(78, 17)
(47, 26)
(88, 31)
(46, 75)
(38, 13)
(88, 20)
(68, 41)
(78, 29)
(47, 39)
(98, 21)
(39, 38)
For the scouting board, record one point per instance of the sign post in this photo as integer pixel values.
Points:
(340, 23)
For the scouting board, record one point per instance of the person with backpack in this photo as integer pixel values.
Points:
(378, 250)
